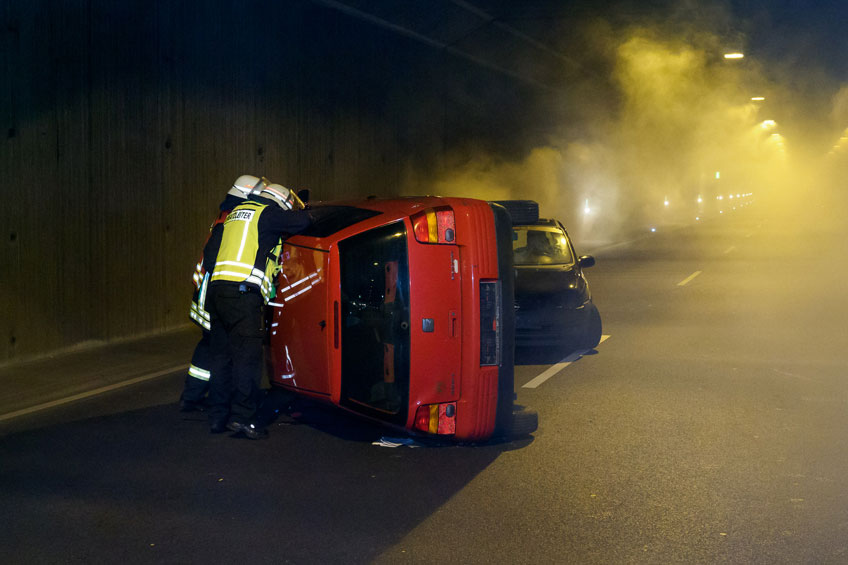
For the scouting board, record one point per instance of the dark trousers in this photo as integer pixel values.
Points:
(195, 389)
(237, 356)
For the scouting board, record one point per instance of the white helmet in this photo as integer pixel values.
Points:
(246, 184)
(285, 198)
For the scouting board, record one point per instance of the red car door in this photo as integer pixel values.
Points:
(302, 315)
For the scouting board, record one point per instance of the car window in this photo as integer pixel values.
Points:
(375, 320)
(541, 245)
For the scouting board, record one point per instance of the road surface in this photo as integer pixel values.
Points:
(709, 426)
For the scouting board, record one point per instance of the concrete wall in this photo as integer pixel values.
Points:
(125, 122)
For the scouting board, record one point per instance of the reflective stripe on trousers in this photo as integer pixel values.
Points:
(199, 373)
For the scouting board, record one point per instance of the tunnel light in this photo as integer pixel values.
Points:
(586, 209)
(697, 218)
(735, 55)
(757, 98)
(718, 175)
(700, 199)
(665, 203)
(768, 124)
(653, 230)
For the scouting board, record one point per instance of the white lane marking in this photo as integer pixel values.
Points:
(688, 279)
(554, 369)
(90, 393)
(729, 249)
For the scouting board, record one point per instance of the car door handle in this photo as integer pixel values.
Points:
(335, 324)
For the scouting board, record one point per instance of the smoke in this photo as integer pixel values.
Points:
(669, 137)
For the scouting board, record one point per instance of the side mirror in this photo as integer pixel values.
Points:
(586, 261)
(303, 195)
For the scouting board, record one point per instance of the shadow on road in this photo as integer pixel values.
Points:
(155, 485)
(281, 407)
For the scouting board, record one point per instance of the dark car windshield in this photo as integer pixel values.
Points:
(541, 245)
(331, 219)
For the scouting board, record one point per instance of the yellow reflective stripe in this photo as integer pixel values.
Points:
(244, 234)
(229, 276)
(246, 266)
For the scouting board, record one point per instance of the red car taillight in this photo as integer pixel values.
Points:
(436, 418)
(434, 225)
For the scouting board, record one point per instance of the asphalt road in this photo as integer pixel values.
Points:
(710, 426)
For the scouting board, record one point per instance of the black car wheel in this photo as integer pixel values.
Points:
(524, 423)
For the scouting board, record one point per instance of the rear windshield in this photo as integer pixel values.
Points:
(375, 322)
(331, 219)
(541, 245)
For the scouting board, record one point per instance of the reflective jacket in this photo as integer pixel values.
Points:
(197, 312)
(251, 241)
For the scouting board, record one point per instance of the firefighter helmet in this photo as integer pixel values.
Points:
(246, 184)
(285, 198)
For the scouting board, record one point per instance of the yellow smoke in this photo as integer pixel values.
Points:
(684, 140)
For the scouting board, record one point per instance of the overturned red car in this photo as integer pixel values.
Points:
(401, 310)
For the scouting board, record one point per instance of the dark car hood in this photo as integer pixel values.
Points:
(550, 286)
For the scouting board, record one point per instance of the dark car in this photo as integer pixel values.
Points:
(553, 303)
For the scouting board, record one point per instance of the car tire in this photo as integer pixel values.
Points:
(524, 423)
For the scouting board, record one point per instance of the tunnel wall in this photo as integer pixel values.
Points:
(125, 123)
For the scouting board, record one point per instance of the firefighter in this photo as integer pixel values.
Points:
(197, 378)
(240, 286)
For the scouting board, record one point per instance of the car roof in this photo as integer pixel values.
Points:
(541, 222)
